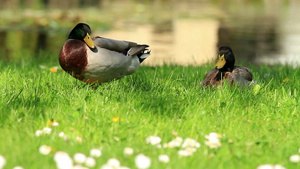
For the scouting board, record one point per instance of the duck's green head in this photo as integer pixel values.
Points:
(82, 32)
(226, 59)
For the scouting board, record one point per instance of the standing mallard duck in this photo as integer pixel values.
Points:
(225, 69)
(98, 60)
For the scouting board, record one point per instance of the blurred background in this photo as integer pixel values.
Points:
(181, 32)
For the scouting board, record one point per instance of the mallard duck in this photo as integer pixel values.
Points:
(97, 60)
(225, 69)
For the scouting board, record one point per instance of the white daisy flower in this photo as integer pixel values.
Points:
(90, 162)
(79, 158)
(38, 133)
(191, 150)
(295, 158)
(18, 167)
(95, 152)
(212, 145)
(55, 124)
(265, 166)
(153, 140)
(213, 136)
(164, 158)
(183, 153)
(42, 66)
(63, 160)
(106, 166)
(2, 161)
(213, 140)
(47, 130)
(61, 135)
(189, 142)
(123, 167)
(78, 166)
(178, 141)
(114, 163)
(277, 166)
(270, 166)
(78, 139)
(128, 151)
(142, 161)
(45, 150)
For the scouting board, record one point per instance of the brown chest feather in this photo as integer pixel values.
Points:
(73, 57)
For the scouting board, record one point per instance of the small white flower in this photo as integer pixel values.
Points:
(213, 136)
(164, 158)
(265, 166)
(47, 130)
(79, 158)
(18, 167)
(170, 144)
(38, 133)
(42, 66)
(78, 166)
(189, 142)
(90, 162)
(178, 141)
(128, 151)
(295, 158)
(114, 163)
(183, 153)
(62, 135)
(106, 166)
(63, 160)
(213, 140)
(123, 167)
(2, 161)
(142, 161)
(270, 166)
(191, 150)
(78, 139)
(299, 150)
(277, 166)
(95, 152)
(212, 145)
(153, 140)
(45, 150)
(55, 124)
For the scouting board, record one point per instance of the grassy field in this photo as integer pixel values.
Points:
(258, 125)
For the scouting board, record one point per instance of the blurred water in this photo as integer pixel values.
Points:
(186, 32)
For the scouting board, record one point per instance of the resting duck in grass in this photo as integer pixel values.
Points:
(97, 60)
(225, 69)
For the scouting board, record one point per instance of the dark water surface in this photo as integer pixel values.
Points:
(183, 33)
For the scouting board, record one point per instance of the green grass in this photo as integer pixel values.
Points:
(257, 127)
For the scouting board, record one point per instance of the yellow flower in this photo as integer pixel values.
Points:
(116, 119)
(53, 70)
(286, 80)
(52, 123)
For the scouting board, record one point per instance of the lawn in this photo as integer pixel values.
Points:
(257, 125)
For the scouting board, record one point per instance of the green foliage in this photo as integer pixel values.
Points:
(259, 124)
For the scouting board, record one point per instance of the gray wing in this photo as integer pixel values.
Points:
(242, 74)
(209, 78)
(125, 47)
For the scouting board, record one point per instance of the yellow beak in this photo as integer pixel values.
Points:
(88, 40)
(221, 62)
